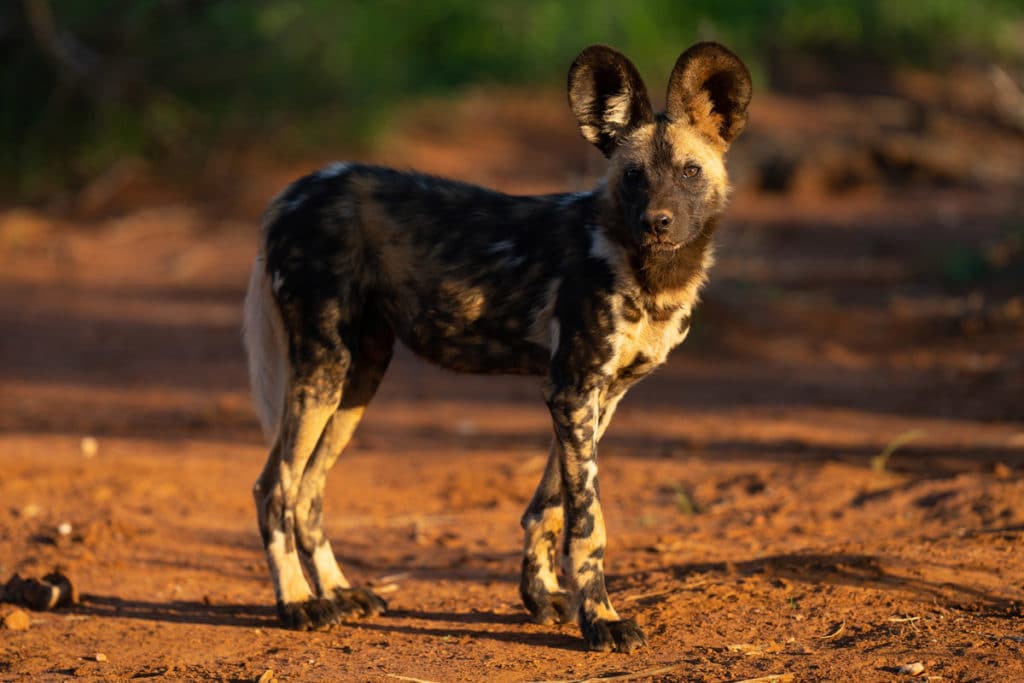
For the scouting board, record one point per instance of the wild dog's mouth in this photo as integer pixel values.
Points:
(660, 246)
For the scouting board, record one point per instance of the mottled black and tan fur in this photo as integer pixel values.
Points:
(589, 291)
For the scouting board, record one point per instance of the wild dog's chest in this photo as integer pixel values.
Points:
(643, 337)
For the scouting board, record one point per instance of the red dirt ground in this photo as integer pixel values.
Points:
(748, 532)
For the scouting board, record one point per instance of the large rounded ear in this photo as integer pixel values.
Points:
(710, 87)
(607, 96)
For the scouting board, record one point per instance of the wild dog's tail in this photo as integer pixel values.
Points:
(266, 349)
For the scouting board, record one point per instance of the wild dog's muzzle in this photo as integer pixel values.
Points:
(657, 226)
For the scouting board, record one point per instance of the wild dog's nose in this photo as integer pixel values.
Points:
(658, 220)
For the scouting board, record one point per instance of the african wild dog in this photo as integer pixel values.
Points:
(590, 291)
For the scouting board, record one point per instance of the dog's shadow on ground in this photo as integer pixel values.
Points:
(865, 571)
(850, 569)
(178, 611)
(449, 625)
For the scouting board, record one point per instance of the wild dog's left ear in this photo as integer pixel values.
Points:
(607, 96)
(710, 87)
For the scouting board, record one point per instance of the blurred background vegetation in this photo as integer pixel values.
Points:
(88, 82)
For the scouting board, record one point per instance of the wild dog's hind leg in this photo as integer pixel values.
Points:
(542, 521)
(319, 363)
(370, 360)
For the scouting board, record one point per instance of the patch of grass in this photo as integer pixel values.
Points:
(967, 266)
(964, 266)
(684, 501)
(881, 461)
(647, 521)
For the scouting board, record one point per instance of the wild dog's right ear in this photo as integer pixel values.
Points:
(607, 96)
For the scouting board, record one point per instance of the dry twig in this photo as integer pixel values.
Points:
(835, 633)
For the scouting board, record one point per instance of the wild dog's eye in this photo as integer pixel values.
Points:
(691, 171)
(632, 174)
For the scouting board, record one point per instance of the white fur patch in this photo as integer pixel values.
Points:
(602, 248)
(333, 170)
(617, 109)
(502, 247)
(585, 100)
(507, 248)
(264, 337)
(289, 582)
(591, 133)
(276, 282)
(540, 327)
(328, 573)
(684, 333)
(570, 199)
(609, 411)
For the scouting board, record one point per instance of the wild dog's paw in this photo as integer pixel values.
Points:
(612, 636)
(312, 615)
(355, 603)
(549, 608)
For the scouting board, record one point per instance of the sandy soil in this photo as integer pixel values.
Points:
(750, 534)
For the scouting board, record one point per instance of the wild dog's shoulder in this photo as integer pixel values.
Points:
(582, 314)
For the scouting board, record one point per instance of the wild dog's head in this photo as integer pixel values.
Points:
(667, 181)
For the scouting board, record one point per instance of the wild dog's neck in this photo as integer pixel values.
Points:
(685, 269)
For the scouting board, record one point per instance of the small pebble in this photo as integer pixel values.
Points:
(914, 669)
(466, 428)
(90, 446)
(266, 677)
(64, 528)
(100, 657)
(16, 620)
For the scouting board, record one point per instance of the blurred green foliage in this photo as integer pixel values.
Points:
(967, 266)
(86, 82)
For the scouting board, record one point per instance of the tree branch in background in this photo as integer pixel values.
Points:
(1009, 98)
(76, 63)
(109, 80)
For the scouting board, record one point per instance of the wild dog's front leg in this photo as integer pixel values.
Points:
(576, 422)
(542, 522)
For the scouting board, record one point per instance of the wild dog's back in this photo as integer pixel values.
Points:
(465, 276)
